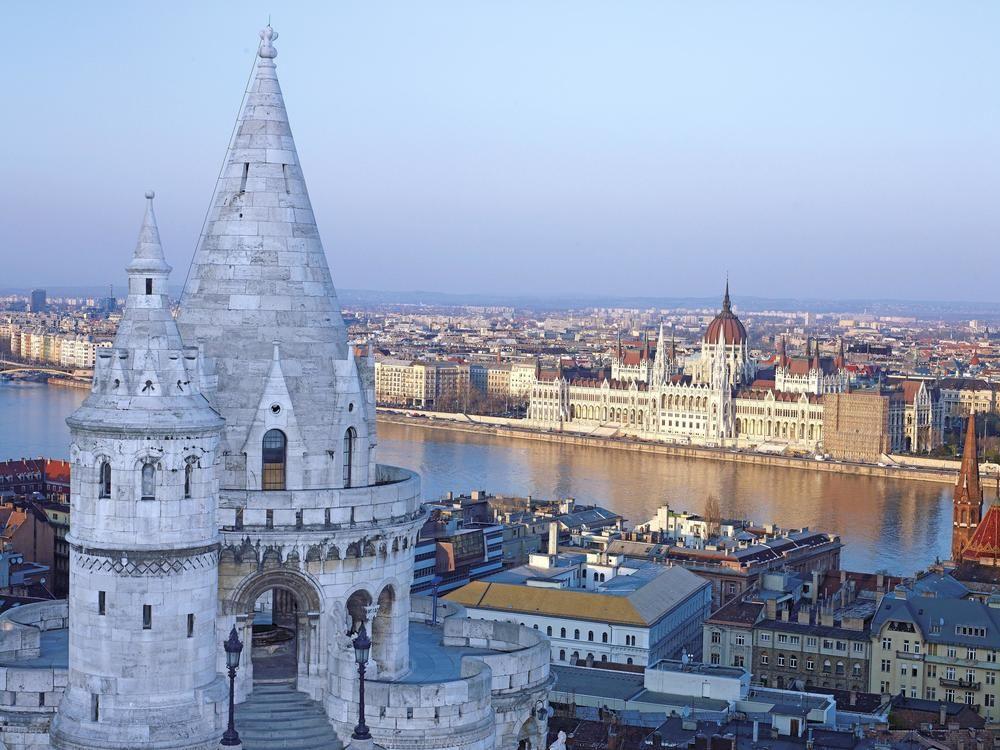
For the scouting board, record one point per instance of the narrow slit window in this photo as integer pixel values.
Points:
(284, 174)
(101, 603)
(147, 617)
(148, 482)
(95, 707)
(350, 437)
(243, 179)
(106, 479)
(188, 471)
(239, 518)
(149, 286)
(190, 626)
(269, 519)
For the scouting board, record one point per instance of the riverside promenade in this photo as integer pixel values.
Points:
(922, 470)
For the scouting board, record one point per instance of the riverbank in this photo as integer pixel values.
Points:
(502, 428)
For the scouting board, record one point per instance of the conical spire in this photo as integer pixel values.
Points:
(260, 275)
(148, 250)
(726, 304)
(782, 353)
(968, 489)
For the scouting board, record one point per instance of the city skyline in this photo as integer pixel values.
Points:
(527, 149)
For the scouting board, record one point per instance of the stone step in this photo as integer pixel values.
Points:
(277, 717)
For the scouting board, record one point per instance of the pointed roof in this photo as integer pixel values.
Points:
(147, 380)
(968, 488)
(984, 547)
(260, 275)
(148, 255)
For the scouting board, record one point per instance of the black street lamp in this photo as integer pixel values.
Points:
(234, 648)
(362, 647)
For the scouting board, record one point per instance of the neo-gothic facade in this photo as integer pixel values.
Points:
(224, 464)
(718, 402)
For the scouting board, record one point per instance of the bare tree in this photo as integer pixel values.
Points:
(713, 515)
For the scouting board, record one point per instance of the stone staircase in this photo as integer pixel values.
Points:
(276, 717)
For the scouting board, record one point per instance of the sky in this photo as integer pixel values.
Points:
(839, 150)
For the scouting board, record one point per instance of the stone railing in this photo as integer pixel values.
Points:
(395, 498)
(519, 668)
(21, 628)
(32, 680)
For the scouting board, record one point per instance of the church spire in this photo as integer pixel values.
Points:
(727, 305)
(968, 488)
(967, 505)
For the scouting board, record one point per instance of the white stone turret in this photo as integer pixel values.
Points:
(144, 542)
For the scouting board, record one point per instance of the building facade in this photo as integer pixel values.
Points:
(714, 400)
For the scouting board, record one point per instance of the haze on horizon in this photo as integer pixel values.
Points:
(645, 148)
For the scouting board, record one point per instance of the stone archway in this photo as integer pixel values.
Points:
(297, 598)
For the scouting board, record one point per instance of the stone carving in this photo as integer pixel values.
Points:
(560, 743)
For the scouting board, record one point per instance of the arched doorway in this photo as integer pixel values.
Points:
(280, 615)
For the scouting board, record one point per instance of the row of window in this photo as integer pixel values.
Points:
(857, 647)
(630, 640)
(148, 486)
(793, 663)
(274, 450)
(147, 614)
(575, 656)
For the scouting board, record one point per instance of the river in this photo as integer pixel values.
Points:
(895, 525)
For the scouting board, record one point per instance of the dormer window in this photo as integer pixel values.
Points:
(149, 286)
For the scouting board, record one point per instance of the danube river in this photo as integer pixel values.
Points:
(895, 525)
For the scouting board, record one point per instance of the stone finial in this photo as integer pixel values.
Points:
(276, 351)
(150, 195)
(267, 50)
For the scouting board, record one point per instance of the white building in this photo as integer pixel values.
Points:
(597, 608)
(714, 400)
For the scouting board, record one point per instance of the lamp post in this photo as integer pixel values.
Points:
(436, 582)
(234, 648)
(362, 647)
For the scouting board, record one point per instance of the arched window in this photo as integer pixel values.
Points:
(562, 654)
(148, 481)
(590, 635)
(604, 637)
(548, 630)
(105, 479)
(628, 660)
(562, 632)
(188, 475)
(576, 635)
(349, 439)
(273, 450)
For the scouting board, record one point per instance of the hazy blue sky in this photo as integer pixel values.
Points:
(845, 149)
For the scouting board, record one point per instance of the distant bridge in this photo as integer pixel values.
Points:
(7, 365)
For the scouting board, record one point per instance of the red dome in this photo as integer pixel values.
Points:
(727, 324)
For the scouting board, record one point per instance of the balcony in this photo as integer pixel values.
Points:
(963, 684)
(909, 655)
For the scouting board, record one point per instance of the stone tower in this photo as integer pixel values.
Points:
(144, 544)
(309, 521)
(967, 507)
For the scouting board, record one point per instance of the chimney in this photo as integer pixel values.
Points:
(815, 586)
(803, 617)
(553, 538)
(880, 582)
(853, 698)
(942, 714)
(771, 609)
